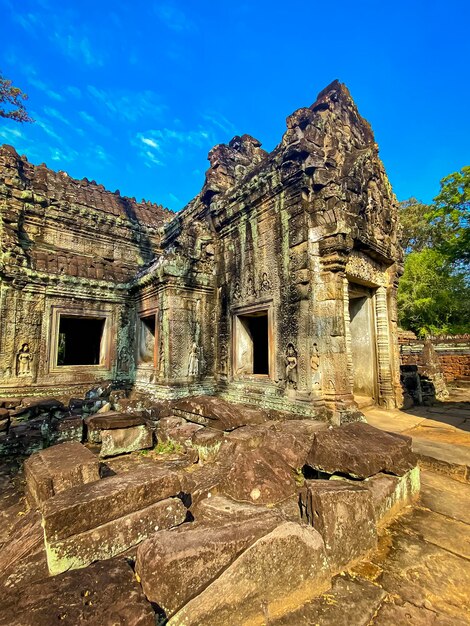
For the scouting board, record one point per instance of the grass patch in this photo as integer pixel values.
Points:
(168, 447)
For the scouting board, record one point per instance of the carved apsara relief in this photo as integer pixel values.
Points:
(291, 361)
(23, 361)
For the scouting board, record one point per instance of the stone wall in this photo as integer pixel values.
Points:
(68, 247)
(453, 353)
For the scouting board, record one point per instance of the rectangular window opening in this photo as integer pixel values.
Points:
(252, 344)
(80, 340)
(147, 339)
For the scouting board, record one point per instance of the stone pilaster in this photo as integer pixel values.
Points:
(384, 356)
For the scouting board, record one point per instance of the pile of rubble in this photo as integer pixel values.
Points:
(227, 517)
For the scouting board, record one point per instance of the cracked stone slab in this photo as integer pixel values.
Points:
(350, 602)
(445, 496)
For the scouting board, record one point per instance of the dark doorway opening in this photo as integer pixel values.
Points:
(255, 330)
(80, 340)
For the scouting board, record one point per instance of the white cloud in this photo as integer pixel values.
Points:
(10, 134)
(128, 105)
(74, 91)
(220, 122)
(46, 128)
(50, 112)
(149, 142)
(78, 48)
(173, 18)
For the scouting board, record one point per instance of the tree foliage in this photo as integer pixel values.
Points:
(432, 297)
(434, 292)
(12, 102)
(450, 214)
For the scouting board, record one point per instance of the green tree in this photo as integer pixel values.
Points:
(434, 292)
(433, 298)
(450, 214)
(417, 232)
(11, 102)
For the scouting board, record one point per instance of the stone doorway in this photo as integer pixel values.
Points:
(251, 344)
(363, 341)
(147, 344)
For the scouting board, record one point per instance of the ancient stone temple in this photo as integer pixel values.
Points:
(275, 286)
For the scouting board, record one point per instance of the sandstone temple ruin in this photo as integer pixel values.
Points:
(275, 286)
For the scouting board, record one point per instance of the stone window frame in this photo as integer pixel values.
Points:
(86, 312)
(267, 306)
(148, 312)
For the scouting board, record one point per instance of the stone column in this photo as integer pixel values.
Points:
(330, 302)
(384, 356)
(347, 322)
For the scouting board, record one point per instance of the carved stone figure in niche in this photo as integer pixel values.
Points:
(193, 363)
(237, 294)
(291, 366)
(223, 358)
(244, 365)
(123, 358)
(23, 361)
(265, 282)
(250, 288)
(314, 364)
(161, 358)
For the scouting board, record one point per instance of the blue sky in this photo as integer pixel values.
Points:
(134, 94)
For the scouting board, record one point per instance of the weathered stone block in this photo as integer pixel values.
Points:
(59, 468)
(176, 429)
(104, 593)
(123, 440)
(84, 508)
(259, 476)
(343, 514)
(391, 494)
(68, 429)
(175, 566)
(114, 537)
(278, 573)
(361, 451)
(96, 423)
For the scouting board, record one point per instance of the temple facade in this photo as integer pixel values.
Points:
(275, 286)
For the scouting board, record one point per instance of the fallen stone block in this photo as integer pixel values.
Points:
(114, 537)
(69, 428)
(360, 450)
(343, 514)
(259, 476)
(111, 420)
(30, 407)
(83, 508)
(217, 413)
(203, 482)
(59, 468)
(221, 510)
(391, 494)
(10, 403)
(277, 574)
(292, 440)
(23, 556)
(125, 440)
(176, 565)
(104, 593)
(176, 429)
(4, 414)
